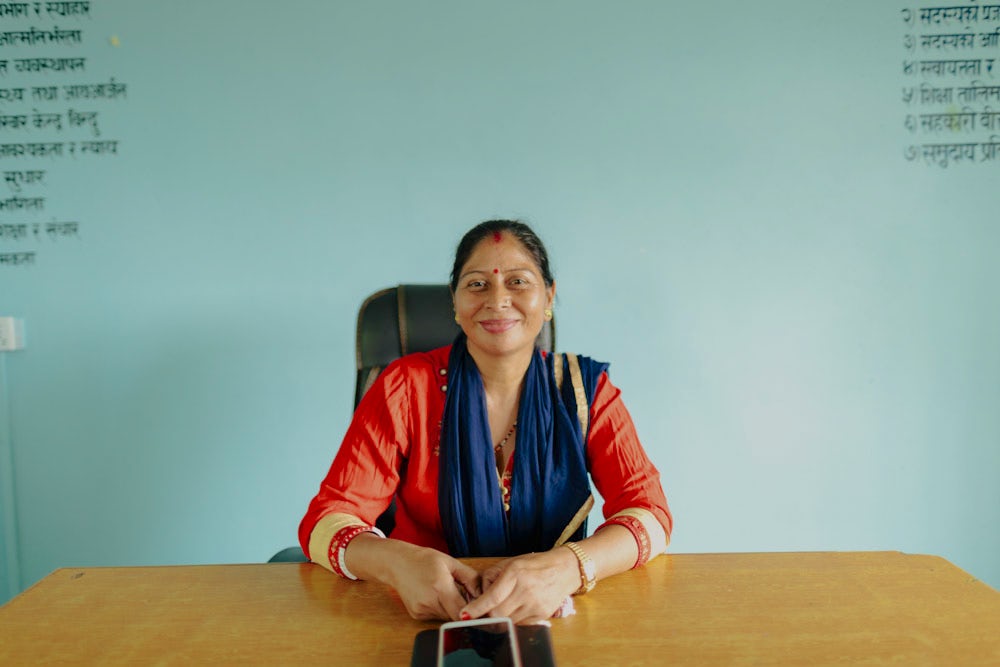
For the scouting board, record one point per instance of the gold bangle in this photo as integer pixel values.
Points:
(588, 570)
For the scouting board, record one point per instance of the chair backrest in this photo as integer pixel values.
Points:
(399, 320)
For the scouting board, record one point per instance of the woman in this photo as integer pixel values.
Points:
(486, 446)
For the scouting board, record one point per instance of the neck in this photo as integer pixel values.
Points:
(502, 375)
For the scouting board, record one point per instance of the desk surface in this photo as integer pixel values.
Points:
(760, 609)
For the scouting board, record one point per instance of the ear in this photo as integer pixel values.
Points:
(551, 293)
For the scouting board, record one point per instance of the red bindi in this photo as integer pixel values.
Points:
(497, 237)
(496, 270)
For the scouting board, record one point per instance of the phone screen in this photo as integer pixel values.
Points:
(484, 642)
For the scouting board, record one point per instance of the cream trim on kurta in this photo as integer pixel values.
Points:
(323, 533)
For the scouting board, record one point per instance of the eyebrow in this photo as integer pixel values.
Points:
(486, 273)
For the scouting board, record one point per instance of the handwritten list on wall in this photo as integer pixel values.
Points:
(952, 93)
(50, 112)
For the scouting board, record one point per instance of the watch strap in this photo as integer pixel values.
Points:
(588, 569)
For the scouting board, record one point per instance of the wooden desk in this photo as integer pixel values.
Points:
(751, 609)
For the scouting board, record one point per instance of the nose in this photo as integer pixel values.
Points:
(499, 298)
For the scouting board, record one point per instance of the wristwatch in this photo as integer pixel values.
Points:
(588, 569)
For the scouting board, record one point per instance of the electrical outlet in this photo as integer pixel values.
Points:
(11, 334)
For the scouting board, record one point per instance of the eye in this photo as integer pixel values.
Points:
(475, 284)
(519, 282)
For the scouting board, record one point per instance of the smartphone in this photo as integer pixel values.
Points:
(534, 643)
(481, 642)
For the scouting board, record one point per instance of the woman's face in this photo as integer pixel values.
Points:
(501, 298)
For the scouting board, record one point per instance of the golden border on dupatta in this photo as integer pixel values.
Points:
(557, 370)
(582, 409)
(576, 521)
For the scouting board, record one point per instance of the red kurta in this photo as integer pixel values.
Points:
(391, 448)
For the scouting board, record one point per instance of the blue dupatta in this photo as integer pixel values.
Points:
(550, 482)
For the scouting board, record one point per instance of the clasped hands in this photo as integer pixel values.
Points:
(526, 589)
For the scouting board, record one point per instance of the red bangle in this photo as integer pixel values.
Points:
(338, 545)
(639, 533)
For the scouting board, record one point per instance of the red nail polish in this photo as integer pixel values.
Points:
(465, 616)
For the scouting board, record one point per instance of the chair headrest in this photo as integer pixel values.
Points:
(399, 320)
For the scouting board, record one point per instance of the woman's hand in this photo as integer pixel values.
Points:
(431, 584)
(528, 588)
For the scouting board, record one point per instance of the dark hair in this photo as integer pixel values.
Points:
(515, 228)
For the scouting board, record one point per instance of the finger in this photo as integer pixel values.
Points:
(467, 577)
(498, 567)
(492, 596)
(428, 612)
(520, 614)
(534, 615)
(451, 602)
(523, 613)
(490, 575)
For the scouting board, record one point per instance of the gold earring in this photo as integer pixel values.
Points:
(457, 321)
(548, 313)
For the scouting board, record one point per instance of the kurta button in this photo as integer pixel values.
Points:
(444, 387)
(443, 371)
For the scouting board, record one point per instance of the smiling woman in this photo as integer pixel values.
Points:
(495, 461)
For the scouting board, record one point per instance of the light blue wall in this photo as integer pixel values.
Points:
(804, 324)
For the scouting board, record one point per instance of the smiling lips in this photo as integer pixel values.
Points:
(497, 326)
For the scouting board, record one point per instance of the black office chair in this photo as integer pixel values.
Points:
(392, 323)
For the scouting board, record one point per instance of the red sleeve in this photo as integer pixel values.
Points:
(622, 473)
(365, 472)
